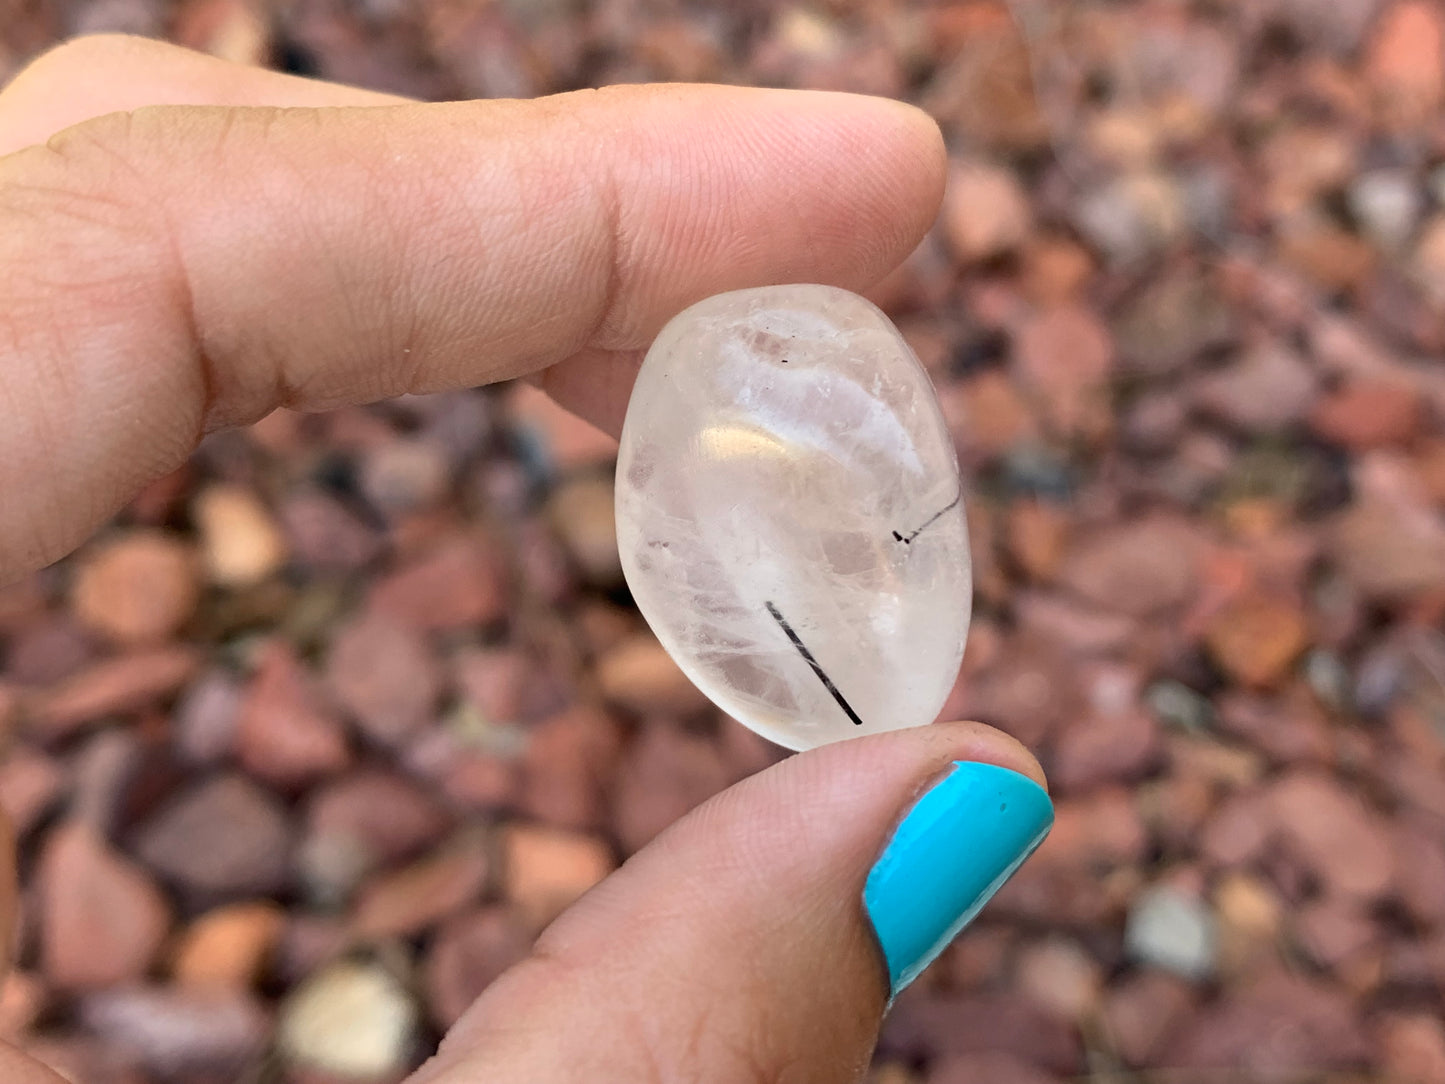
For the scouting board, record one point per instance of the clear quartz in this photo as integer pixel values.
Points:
(790, 514)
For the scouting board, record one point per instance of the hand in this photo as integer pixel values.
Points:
(267, 241)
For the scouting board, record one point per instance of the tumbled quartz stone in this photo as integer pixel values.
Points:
(790, 514)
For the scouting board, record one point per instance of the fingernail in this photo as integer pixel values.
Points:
(953, 850)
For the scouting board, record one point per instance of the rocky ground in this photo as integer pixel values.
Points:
(346, 709)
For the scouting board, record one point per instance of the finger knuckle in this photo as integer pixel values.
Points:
(81, 195)
(78, 259)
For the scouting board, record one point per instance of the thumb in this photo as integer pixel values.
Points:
(761, 937)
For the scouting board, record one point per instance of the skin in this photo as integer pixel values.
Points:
(262, 241)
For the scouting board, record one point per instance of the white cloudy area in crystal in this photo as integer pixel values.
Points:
(790, 515)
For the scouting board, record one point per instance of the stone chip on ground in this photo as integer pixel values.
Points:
(993, 1067)
(1275, 1028)
(1061, 976)
(567, 767)
(1332, 830)
(387, 814)
(468, 953)
(1174, 931)
(665, 774)
(228, 947)
(119, 685)
(406, 901)
(30, 782)
(102, 919)
(325, 536)
(1255, 639)
(946, 1025)
(1412, 1048)
(985, 212)
(455, 586)
(545, 870)
(1367, 414)
(223, 836)
(288, 733)
(581, 512)
(138, 587)
(1105, 747)
(241, 543)
(1138, 568)
(177, 1032)
(354, 1020)
(1142, 1010)
(384, 674)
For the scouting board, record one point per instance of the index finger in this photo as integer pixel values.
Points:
(172, 270)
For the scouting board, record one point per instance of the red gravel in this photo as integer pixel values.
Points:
(362, 683)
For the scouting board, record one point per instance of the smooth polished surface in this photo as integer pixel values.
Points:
(790, 514)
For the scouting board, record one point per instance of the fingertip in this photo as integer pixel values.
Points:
(920, 142)
(976, 814)
(728, 187)
(890, 156)
(966, 835)
(974, 741)
(804, 896)
(933, 154)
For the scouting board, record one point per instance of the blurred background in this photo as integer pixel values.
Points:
(306, 746)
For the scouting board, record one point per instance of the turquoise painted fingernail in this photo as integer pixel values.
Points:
(954, 849)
